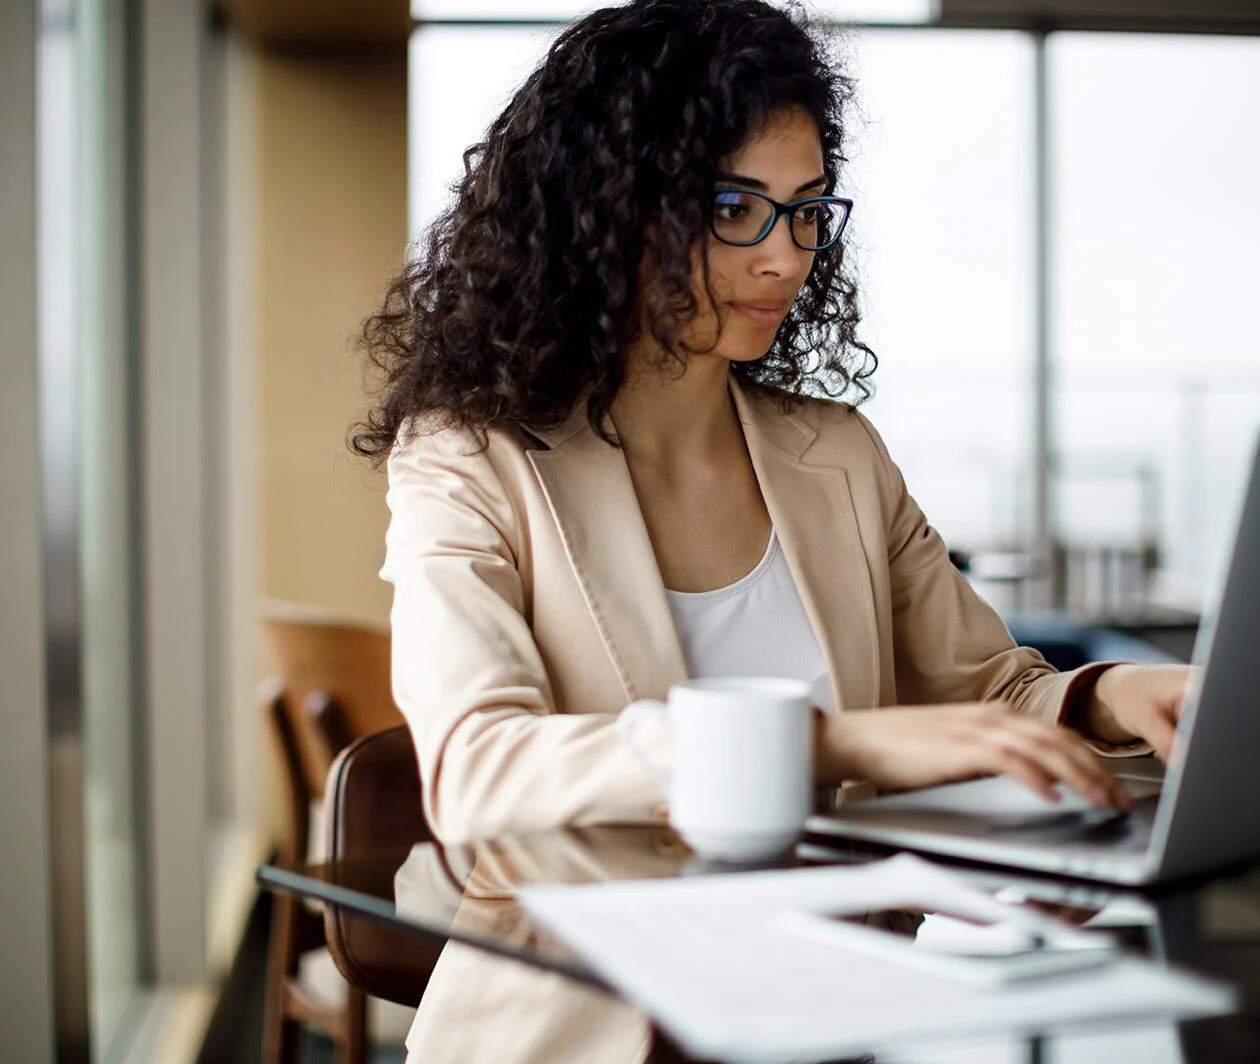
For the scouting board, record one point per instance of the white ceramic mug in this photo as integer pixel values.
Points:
(741, 781)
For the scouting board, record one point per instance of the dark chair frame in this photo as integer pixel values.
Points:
(295, 928)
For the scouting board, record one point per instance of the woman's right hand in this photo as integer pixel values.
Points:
(904, 748)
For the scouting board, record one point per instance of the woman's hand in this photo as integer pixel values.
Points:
(909, 747)
(1136, 702)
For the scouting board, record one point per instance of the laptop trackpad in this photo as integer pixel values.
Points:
(1060, 825)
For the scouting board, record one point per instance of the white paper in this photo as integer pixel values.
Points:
(710, 960)
(1158, 1043)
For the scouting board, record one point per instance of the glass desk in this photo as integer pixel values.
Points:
(394, 909)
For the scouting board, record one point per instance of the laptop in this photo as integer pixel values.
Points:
(1202, 816)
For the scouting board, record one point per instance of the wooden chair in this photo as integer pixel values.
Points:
(332, 686)
(374, 805)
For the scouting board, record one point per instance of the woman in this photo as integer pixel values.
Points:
(610, 467)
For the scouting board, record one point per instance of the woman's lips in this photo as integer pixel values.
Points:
(762, 313)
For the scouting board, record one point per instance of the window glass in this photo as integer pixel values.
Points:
(108, 529)
(90, 533)
(840, 10)
(942, 231)
(1156, 222)
(502, 9)
(459, 79)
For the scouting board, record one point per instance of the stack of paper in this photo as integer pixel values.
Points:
(715, 963)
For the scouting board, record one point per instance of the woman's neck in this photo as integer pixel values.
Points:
(668, 418)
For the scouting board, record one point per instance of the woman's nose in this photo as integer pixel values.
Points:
(778, 253)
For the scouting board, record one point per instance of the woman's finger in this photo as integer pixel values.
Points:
(1011, 763)
(1081, 771)
(1067, 758)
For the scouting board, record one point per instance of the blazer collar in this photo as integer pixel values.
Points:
(812, 509)
(784, 430)
(592, 499)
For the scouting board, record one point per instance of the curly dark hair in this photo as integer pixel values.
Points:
(526, 294)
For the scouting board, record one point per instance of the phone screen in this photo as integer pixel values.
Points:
(949, 933)
(985, 950)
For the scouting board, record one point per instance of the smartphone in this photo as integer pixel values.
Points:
(987, 952)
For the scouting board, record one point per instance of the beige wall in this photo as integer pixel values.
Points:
(311, 163)
(331, 227)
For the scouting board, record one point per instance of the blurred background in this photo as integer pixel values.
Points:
(1056, 222)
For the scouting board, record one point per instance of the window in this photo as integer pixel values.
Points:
(1156, 222)
(943, 227)
(1155, 393)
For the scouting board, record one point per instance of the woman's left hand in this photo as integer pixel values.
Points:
(1136, 702)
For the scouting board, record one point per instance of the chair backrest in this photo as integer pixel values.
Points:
(320, 659)
(373, 806)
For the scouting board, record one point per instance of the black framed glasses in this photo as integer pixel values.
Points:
(742, 217)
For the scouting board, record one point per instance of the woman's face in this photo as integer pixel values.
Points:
(754, 287)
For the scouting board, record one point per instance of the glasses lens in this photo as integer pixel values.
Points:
(740, 217)
(816, 224)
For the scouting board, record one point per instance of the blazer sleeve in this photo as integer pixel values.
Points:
(494, 755)
(949, 645)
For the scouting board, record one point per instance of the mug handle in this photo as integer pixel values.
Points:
(626, 721)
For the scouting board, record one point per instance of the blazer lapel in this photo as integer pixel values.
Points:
(813, 515)
(591, 496)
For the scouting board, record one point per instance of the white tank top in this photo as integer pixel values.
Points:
(756, 626)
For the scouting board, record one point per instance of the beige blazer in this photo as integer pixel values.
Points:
(529, 610)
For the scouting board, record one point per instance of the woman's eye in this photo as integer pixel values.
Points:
(808, 215)
(729, 211)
